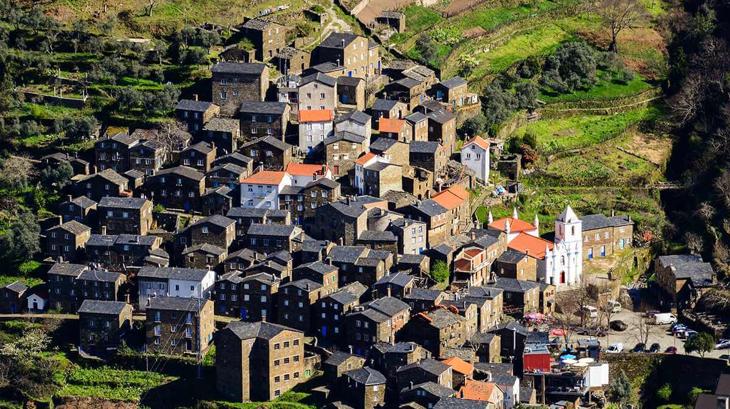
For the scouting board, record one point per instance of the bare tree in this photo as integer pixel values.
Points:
(618, 15)
(642, 331)
(148, 8)
(17, 171)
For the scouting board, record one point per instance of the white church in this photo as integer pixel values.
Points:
(559, 262)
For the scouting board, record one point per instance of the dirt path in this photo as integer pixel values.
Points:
(334, 24)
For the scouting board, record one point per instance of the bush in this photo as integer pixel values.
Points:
(475, 125)
(440, 272)
(499, 104)
(526, 94)
(701, 343)
(664, 393)
(572, 67)
(529, 68)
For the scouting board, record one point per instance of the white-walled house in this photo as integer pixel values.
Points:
(301, 174)
(356, 122)
(361, 163)
(174, 282)
(261, 190)
(314, 127)
(36, 302)
(475, 156)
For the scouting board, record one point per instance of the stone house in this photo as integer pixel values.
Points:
(269, 238)
(340, 362)
(266, 36)
(411, 235)
(261, 119)
(424, 299)
(66, 241)
(520, 296)
(125, 215)
(418, 265)
(517, 265)
(382, 177)
(461, 370)
(242, 259)
(100, 285)
(355, 122)
(103, 325)
(62, 295)
(104, 183)
(428, 395)
(319, 272)
(426, 370)
(391, 151)
(394, 19)
(471, 267)
(203, 256)
(315, 194)
(248, 297)
(683, 278)
(442, 129)
(487, 346)
(397, 285)
(269, 151)
(351, 93)
(456, 200)
(180, 187)
(410, 91)
(199, 156)
(179, 325)
(329, 311)
(357, 54)
(437, 218)
(419, 126)
(397, 129)
(117, 252)
(417, 182)
(235, 158)
(489, 302)
(359, 264)
(603, 236)
(437, 330)
(245, 216)
(234, 83)
(291, 61)
(388, 108)
(81, 209)
(112, 152)
(258, 361)
(344, 220)
(296, 301)
(376, 321)
(547, 298)
(195, 113)
(317, 92)
(216, 230)
(13, 297)
(453, 91)
(148, 156)
(227, 174)
(387, 357)
(363, 388)
(428, 155)
(223, 133)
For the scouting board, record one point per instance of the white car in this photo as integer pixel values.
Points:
(615, 348)
(723, 344)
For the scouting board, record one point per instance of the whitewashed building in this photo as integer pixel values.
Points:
(261, 190)
(174, 282)
(314, 127)
(475, 156)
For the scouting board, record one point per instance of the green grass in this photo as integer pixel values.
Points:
(418, 20)
(112, 384)
(29, 281)
(556, 135)
(47, 112)
(489, 17)
(605, 88)
(655, 8)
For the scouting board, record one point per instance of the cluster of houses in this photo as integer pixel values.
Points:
(316, 205)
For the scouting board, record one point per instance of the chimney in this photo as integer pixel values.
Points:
(343, 44)
(473, 235)
(263, 317)
(613, 212)
(388, 291)
(411, 385)
(350, 348)
(93, 169)
(306, 286)
(103, 230)
(195, 97)
(342, 241)
(69, 198)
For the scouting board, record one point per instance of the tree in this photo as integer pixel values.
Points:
(57, 176)
(427, 48)
(16, 172)
(701, 343)
(526, 94)
(572, 67)
(664, 393)
(498, 104)
(475, 125)
(25, 369)
(619, 390)
(467, 63)
(20, 241)
(618, 15)
(440, 272)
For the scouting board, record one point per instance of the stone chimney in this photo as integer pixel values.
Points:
(103, 230)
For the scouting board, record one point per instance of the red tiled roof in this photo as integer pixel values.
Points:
(265, 177)
(364, 158)
(452, 197)
(531, 245)
(459, 365)
(476, 390)
(391, 125)
(304, 169)
(479, 141)
(515, 225)
(315, 115)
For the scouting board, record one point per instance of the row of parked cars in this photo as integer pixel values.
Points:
(654, 348)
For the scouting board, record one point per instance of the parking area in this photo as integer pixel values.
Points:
(657, 333)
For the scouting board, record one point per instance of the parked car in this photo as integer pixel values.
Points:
(677, 329)
(651, 313)
(722, 344)
(655, 347)
(618, 325)
(725, 357)
(615, 348)
(613, 306)
(671, 350)
(640, 347)
(664, 318)
(590, 311)
(687, 334)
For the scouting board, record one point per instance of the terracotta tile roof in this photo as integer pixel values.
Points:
(390, 125)
(515, 225)
(304, 169)
(452, 197)
(316, 115)
(265, 177)
(459, 365)
(477, 390)
(364, 158)
(479, 141)
(531, 245)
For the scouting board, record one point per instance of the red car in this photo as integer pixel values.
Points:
(671, 350)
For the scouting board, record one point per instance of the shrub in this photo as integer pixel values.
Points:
(529, 67)
(572, 67)
(440, 272)
(664, 393)
(701, 343)
(475, 125)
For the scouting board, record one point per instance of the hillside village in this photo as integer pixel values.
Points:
(314, 205)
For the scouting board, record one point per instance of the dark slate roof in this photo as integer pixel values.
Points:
(355, 116)
(344, 136)
(136, 239)
(399, 279)
(83, 202)
(202, 147)
(134, 174)
(691, 267)
(263, 107)
(429, 365)
(484, 292)
(335, 40)
(482, 338)
(265, 278)
(434, 389)
(326, 182)
(102, 307)
(599, 221)
(327, 66)
(415, 117)
(511, 256)
(457, 403)
(222, 125)
(270, 140)
(303, 284)
(314, 246)
(423, 147)
(355, 207)
(67, 269)
(319, 77)
(263, 330)
(487, 240)
(366, 376)
(384, 104)
(454, 82)
(122, 202)
(177, 273)
(233, 157)
(217, 220)
(514, 285)
(389, 306)
(257, 24)
(73, 227)
(440, 318)
(16, 287)
(231, 167)
(350, 293)
(192, 105)
(184, 171)
(175, 304)
(424, 294)
(247, 212)
(349, 81)
(407, 82)
(379, 166)
(441, 116)
(291, 190)
(414, 259)
(511, 326)
(100, 275)
(111, 176)
(431, 208)
(282, 230)
(347, 254)
(205, 248)
(376, 235)
(382, 144)
(317, 267)
(338, 358)
(101, 240)
(238, 68)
